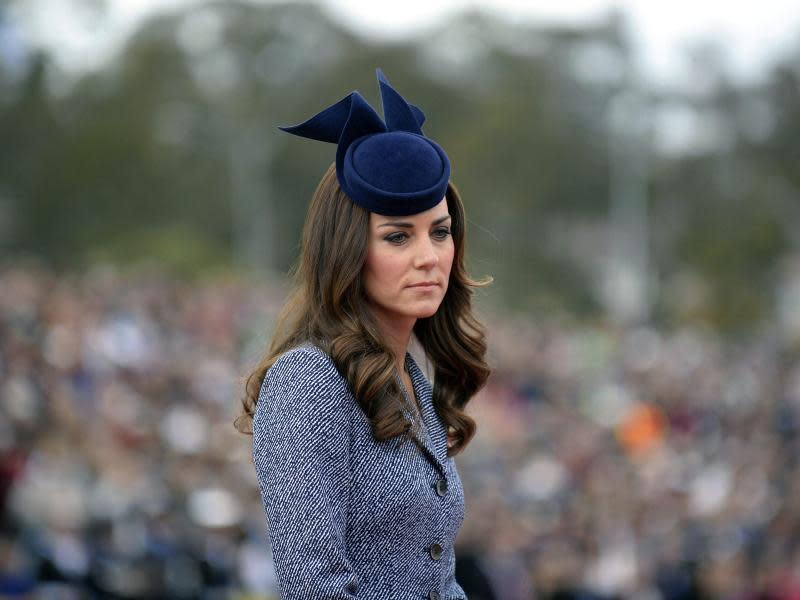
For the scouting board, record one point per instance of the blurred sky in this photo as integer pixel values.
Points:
(751, 32)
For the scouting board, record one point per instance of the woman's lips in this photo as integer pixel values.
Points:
(427, 286)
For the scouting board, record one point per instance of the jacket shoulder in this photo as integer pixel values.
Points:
(304, 372)
(304, 361)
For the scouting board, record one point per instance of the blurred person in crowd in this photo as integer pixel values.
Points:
(354, 509)
(471, 574)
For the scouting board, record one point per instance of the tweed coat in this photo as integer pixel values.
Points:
(349, 517)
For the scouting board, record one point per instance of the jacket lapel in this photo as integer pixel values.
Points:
(430, 434)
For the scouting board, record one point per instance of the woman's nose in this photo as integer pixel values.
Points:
(426, 255)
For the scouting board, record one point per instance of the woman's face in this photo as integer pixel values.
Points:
(408, 263)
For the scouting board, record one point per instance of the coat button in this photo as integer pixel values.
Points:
(436, 551)
(441, 487)
(434, 595)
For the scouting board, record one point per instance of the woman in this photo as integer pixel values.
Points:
(352, 446)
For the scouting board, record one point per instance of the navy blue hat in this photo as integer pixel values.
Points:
(389, 168)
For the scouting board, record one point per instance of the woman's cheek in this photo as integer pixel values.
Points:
(394, 274)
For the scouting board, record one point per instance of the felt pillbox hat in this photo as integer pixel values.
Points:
(388, 167)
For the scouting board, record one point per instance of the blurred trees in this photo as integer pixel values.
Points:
(172, 154)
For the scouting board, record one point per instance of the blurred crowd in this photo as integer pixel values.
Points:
(637, 464)
(609, 462)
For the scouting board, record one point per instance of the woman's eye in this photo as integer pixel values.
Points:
(396, 238)
(441, 233)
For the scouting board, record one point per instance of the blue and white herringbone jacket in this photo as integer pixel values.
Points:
(348, 517)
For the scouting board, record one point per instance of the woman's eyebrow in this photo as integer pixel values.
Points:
(410, 225)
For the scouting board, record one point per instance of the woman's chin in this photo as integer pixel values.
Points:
(428, 310)
(417, 310)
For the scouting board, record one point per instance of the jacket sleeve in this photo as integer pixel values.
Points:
(301, 435)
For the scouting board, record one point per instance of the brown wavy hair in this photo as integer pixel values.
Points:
(328, 307)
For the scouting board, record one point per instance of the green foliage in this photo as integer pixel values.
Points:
(171, 154)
